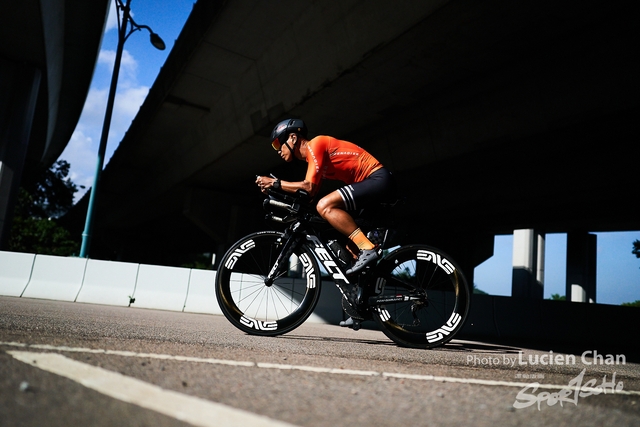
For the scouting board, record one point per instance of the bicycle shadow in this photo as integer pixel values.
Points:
(462, 346)
(368, 341)
(452, 346)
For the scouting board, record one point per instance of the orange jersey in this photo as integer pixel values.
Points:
(332, 158)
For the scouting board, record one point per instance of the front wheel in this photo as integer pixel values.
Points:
(260, 307)
(434, 294)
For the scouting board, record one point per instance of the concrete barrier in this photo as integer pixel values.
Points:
(163, 288)
(15, 272)
(107, 282)
(56, 278)
(114, 283)
(201, 297)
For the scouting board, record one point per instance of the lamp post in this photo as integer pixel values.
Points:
(126, 27)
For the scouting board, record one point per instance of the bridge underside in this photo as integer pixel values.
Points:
(494, 116)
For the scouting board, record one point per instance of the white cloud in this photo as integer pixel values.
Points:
(93, 112)
(82, 157)
(128, 75)
(127, 104)
(107, 57)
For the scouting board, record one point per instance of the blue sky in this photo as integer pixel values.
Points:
(618, 271)
(141, 63)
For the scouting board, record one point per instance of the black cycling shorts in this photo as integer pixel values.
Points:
(378, 187)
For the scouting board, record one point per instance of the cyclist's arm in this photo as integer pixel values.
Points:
(265, 182)
(292, 187)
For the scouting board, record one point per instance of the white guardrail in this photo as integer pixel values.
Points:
(117, 283)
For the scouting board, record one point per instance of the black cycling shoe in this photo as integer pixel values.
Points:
(365, 257)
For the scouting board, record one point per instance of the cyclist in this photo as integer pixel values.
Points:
(366, 179)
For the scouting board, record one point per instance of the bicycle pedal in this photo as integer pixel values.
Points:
(351, 323)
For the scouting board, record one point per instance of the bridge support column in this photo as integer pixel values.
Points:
(581, 267)
(19, 85)
(528, 264)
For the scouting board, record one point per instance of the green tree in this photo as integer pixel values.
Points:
(477, 290)
(558, 297)
(35, 227)
(52, 194)
(636, 248)
(631, 304)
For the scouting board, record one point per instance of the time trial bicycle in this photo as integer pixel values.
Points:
(268, 283)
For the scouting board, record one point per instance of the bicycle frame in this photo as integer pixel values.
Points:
(297, 234)
(302, 232)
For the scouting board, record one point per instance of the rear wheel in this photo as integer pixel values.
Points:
(260, 308)
(435, 310)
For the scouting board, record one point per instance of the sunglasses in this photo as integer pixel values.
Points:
(279, 142)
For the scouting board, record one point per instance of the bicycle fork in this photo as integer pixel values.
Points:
(281, 264)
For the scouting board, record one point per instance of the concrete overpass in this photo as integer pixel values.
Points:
(494, 116)
(48, 50)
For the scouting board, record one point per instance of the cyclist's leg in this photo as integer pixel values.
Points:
(335, 206)
(332, 208)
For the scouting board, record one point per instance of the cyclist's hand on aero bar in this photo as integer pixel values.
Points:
(265, 182)
(269, 186)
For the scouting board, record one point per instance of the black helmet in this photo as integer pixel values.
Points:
(284, 128)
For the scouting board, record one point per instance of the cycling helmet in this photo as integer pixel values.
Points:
(283, 129)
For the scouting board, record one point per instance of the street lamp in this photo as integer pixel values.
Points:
(126, 27)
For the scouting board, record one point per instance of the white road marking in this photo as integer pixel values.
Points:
(193, 410)
(416, 377)
(129, 354)
(318, 369)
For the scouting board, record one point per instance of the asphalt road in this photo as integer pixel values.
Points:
(67, 364)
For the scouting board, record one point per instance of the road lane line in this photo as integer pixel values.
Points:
(317, 369)
(190, 409)
(129, 354)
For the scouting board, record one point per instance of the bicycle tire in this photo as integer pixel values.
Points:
(256, 308)
(421, 325)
